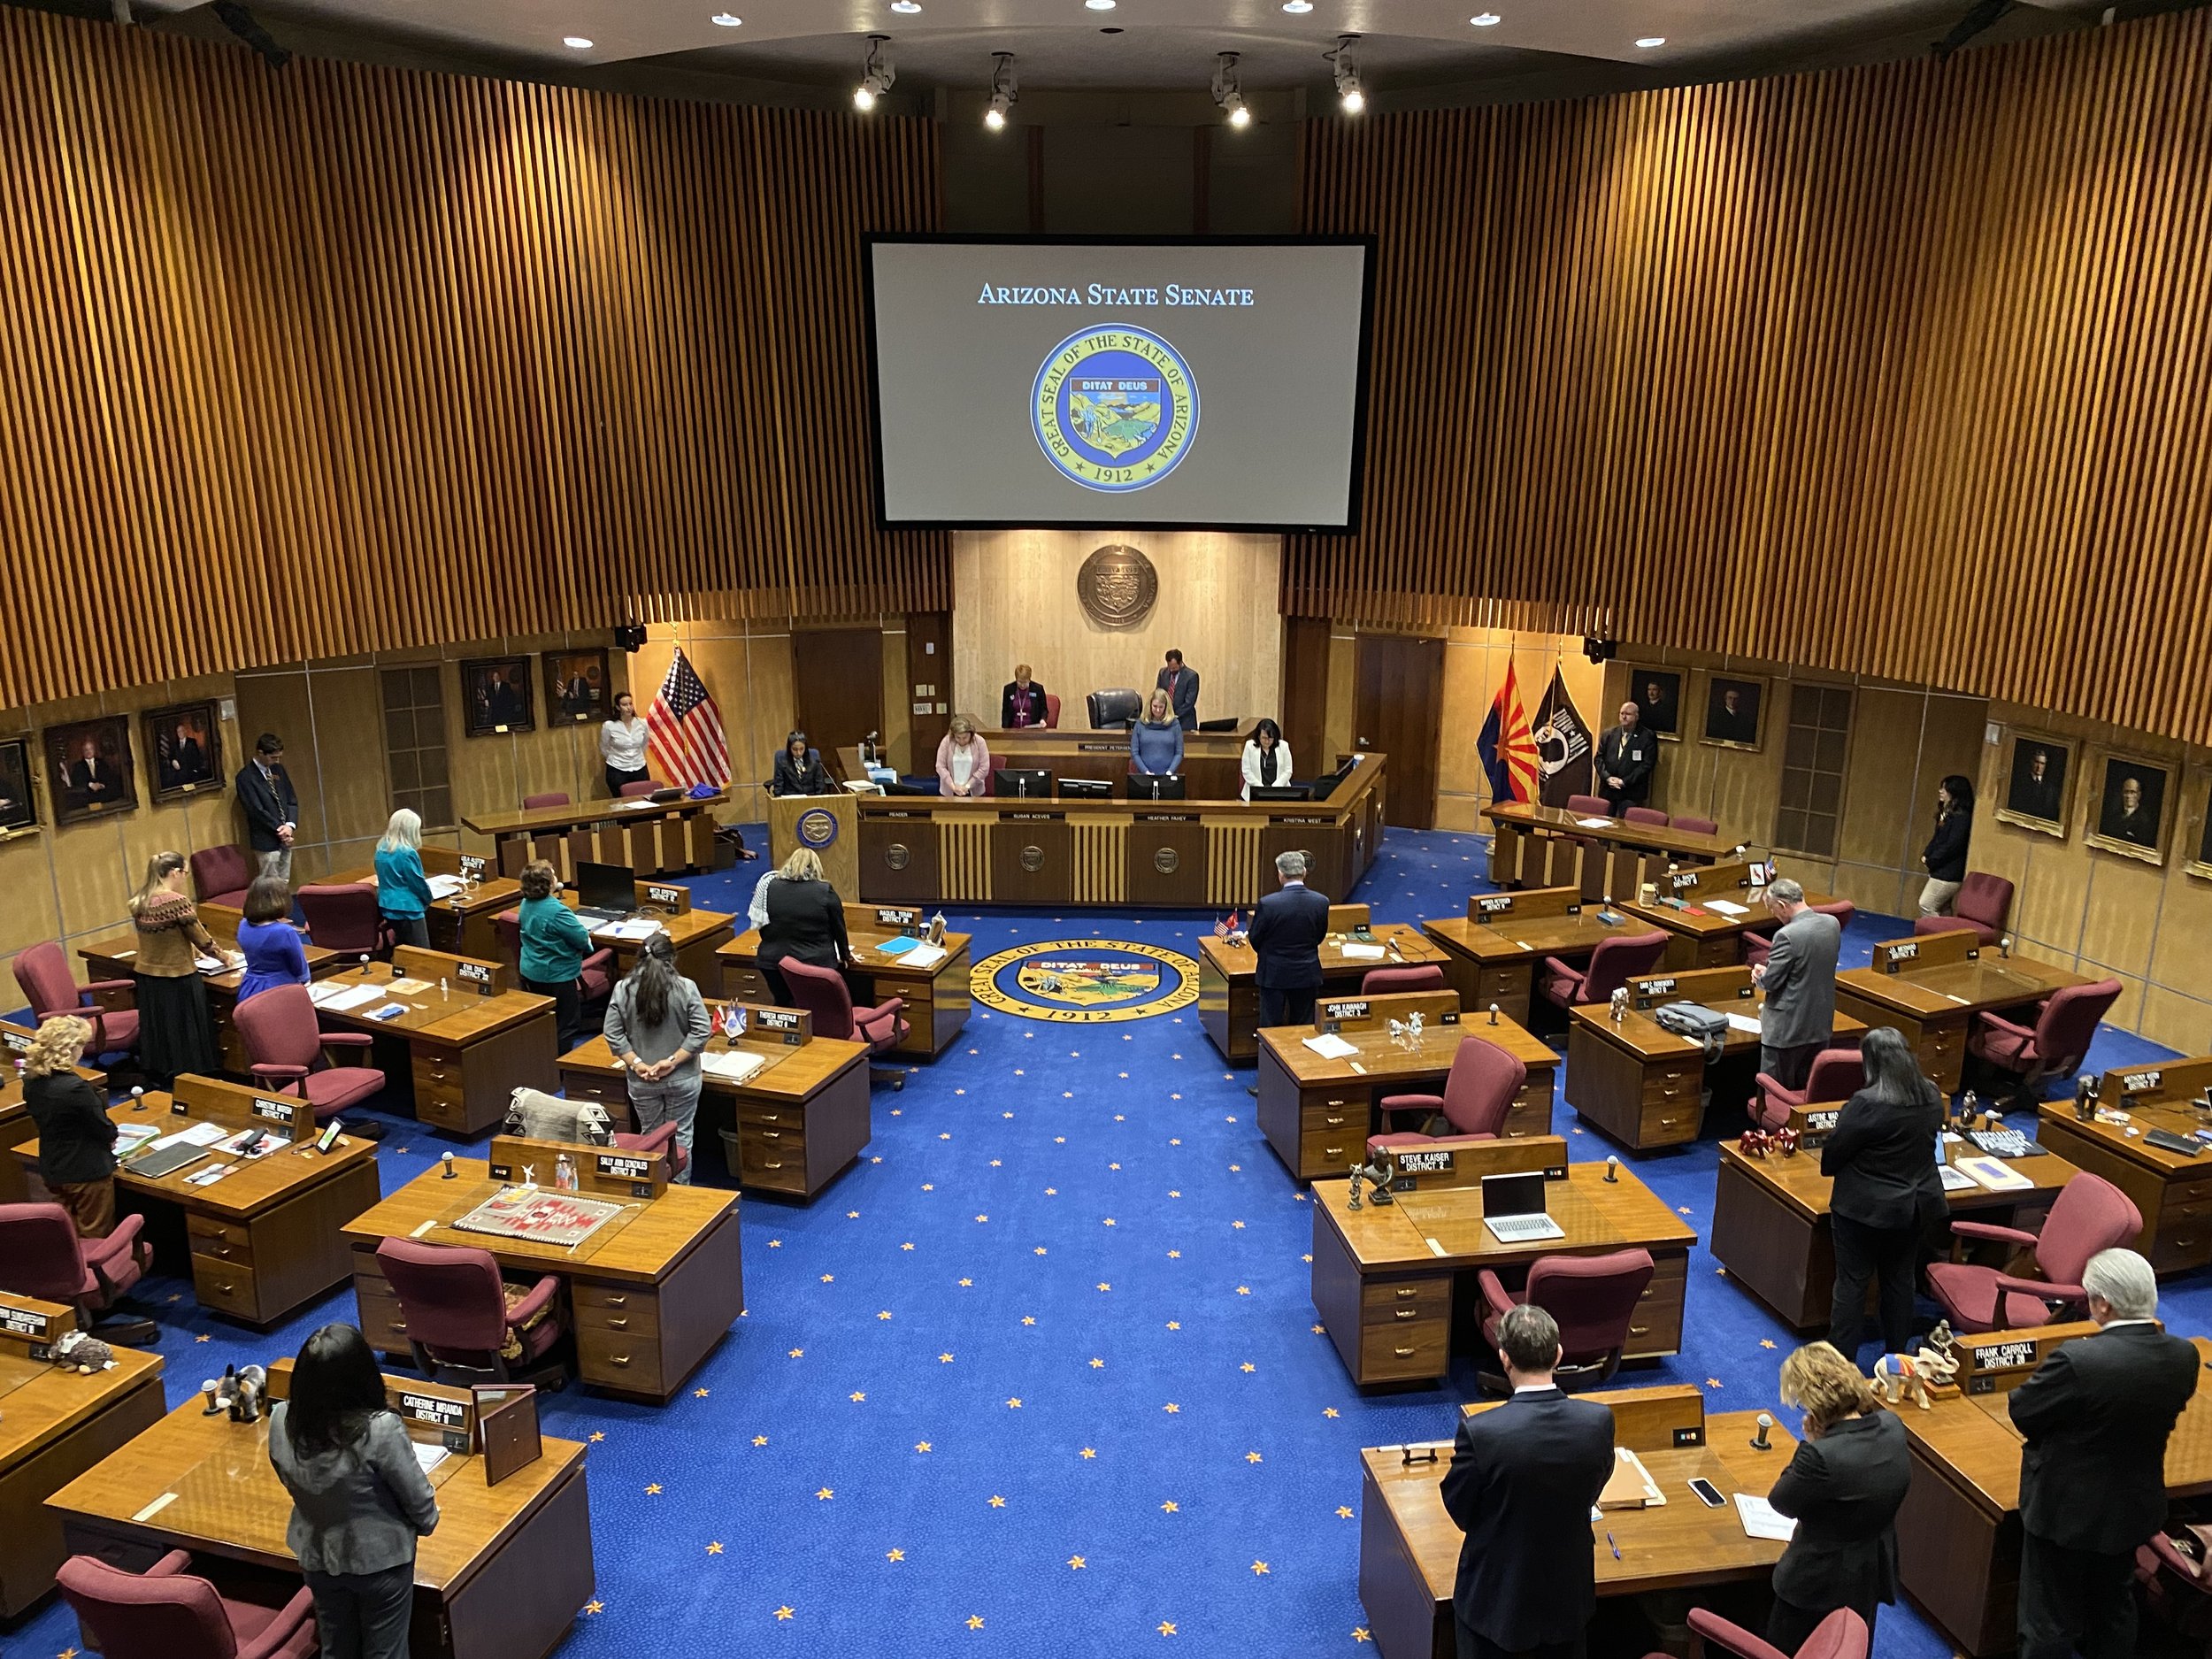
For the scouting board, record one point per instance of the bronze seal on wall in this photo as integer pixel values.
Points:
(1117, 587)
(1166, 860)
(1033, 858)
(896, 856)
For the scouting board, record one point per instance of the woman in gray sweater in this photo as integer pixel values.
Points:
(359, 1497)
(658, 1028)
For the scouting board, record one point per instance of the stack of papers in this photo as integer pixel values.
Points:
(444, 887)
(1954, 1179)
(898, 947)
(428, 1455)
(636, 928)
(1727, 907)
(923, 957)
(351, 997)
(1761, 1519)
(1330, 1047)
(1998, 1177)
(1595, 823)
(211, 964)
(130, 1137)
(1353, 952)
(1743, 1022)
(733, 1066)
(200, 1135)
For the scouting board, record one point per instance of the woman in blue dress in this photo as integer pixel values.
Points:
(275, 954)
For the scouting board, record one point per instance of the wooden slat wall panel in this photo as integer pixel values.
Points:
(339, 359)
(1901, 371)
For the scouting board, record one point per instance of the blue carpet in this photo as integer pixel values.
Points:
(1043, 1368)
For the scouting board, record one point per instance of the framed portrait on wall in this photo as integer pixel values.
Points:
(88, 765)
(577, 688)
(184, 750)
(2197, 858)
(1657, 694)
(18, 806)
(2129, 815)
(496, 696)
(1734, 706)
(2038, 783)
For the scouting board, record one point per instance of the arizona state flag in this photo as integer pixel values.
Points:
(1564, 748)
(1508, 751)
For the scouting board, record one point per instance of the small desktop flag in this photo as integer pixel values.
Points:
(683, 730)
(1508, 750)
(1226, 926)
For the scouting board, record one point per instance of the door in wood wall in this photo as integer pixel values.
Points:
(1304, 701)
(837, 684)
(1398, 712)
(929, 686)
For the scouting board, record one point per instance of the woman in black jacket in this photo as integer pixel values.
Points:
(806, 919)
(1945, 856)
(1888, 1196)
(799, 771)
(1843, 1487)
(76, 1137)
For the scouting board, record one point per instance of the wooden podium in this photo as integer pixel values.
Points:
(828, 824)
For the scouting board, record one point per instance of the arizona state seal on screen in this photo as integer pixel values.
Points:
(1115, 408)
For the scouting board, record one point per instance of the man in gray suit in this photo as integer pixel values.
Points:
(1799, 978)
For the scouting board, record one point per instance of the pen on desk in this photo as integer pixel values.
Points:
(1616, 1548)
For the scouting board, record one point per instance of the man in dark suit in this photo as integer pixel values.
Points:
(2092, 1476)
(89, 778)
(1524, 1478)
(2131, 823)
(1626, 757)
(1728, 720)
(271, 806)
(1181, 685)
(2036, 794)
(187, 761)
(1287, 929)
(1658, 707)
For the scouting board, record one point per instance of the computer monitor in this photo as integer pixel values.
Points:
(1165, 787)
(1325, 786)
(1023, 783)
(1280, 792)
(605, 887)
(1505, 1195)
(1085, 789)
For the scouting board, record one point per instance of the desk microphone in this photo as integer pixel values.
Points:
(1759, 1442)
(1612, 1169)
(1494, 1013)
(138, 1100)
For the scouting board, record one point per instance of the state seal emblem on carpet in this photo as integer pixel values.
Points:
(1086, 982)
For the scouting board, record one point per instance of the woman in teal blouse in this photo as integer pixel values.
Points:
(403, 892)
(555, 942)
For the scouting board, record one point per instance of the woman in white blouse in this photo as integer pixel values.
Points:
(1266, 758)
(963, 761)
(622, 746)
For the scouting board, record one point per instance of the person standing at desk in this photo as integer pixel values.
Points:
(799, 770)
(1181, 685)
(1023, 702)
(2096, 1416)
(1287, 928)
(76, 1137)
(1799, 978)
(622, 746)
(1266, 758)
(658, 1026)
(267, 940)
(271, 804)
(806, 920)
(1524, 1476)
(963, 760)
(403, 892)
(1888, 1195)
(176, 1033)
(359, 1497)
(1155, 743)
(555, 942)
(1627, 756)
(1843, 1487)
(1945, 856)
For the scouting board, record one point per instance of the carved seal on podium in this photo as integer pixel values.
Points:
(898, 856)
(1117, 587)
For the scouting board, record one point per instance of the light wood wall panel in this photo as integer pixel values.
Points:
(1898, 371)
(347, 359)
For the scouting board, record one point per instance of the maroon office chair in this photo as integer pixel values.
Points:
(596, 977)
(1693, 826)
(459, 1313)
(1983, 904)
(823, 992)
(1837, 1074)
(1052, 711)
(42, 972)
(165, 1613)
(2090, 1214)
(1612, 964)
(42, 1255)
(2054, 1046)
(1758, 943)
(1843, 1634)
(643, 787)
(659, 1141)
(1424, 976)
(551, 797)
(220, 875)
(1479, 1091)
(290, 1052)
(1592, 1297)
(345, 920)
(1645, 815)
(1590, 805)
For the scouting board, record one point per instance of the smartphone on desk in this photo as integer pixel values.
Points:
(1707, 1493)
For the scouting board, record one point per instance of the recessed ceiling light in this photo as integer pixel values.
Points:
(1485, 19)
(1100, 6)
(576, 42)
(725, 19)
(907, 7)
(1650, 40)
(1299, 7)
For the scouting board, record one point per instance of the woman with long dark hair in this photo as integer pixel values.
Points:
(658, 1026)
(1888, 1196)
(1945, 856)
(359, 1497)
(1266, 758)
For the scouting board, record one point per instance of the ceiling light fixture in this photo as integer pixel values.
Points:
(876, 73)
(905, 8)
(1227, 94)
(1297, 8)
(1650, 40)
(576, 42)
(1486, 19)
(725, 19)
(1004, 90)
(1345, 59)
(1100, 6)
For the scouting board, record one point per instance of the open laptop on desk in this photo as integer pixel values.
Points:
(1513, 1208)
(605, 893)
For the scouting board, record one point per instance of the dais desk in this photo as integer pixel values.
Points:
(1491, 954)
(652, 837)
(2173, 1192)
(1213, 762)
(1228, 986)
(1930, 986)
(937, 999)
(1543, 847)
(460, 923)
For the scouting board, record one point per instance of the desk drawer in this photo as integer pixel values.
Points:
(1329, 1152)
(381, 1321)
(1670, 1085)
(1658, 1315)
(227, 1286)
(616, 1310)
(785, 1116)
(440, 1098)
(778, 1165)
(1334, 1111)
(1668, 1123)
(1397, 1353)
(1404, 1301)
(225, 1241)
(618, 1359)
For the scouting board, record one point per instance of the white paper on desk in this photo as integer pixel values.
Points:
(198, 1135)
(1993, 1173)
(1727, 907)
(1761, 1519)
(1330, 1047)
(734, 1065)
(211, 964)
(130, 1137)
(428, 1455)
(637, 927)
(355, 996)
(921, 957)
(1743, 1022)
(444, 887)
(1595, 823)
(1954, 1180)
(1361, 953)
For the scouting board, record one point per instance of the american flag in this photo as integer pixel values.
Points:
(683, 730)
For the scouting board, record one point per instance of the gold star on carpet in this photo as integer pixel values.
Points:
(1017, 1071)
(714, 1549)
(886, 1314)
(1712, 1382)
(1077, 1563)
(967, 1284)
(595, 1607)
(1766, 1341)
(775, 1244)
(906, 1246)
(922, 1446)
(895, 1554)
(783, 1612)
(852, 1215)
(1059, 1140)
(1248, 1365)
(1174, 1256)
(1298, 1198)
(983, 1217)
(1175, 1096)
(1359, 1632)
(176, 1295)
(975, 1621)
(1239, 1225)
(1098, 1364)
(203, 1339)
(1113, 1166)
(1052, 1192)
(798, 1352)
(1227, 1120)
(1067, 1093)
(653, 1491)
(1029, 1319)
(1006, 1114)
(1170, 1506)
(1236, 1169)
(944, 1359)
(1318, 1329)
(929, 1186)
(1120, 1118)
(875, 1160)
(1110, 1220)
(1124, 1074)
(1166, 1629)
(1014, 1405)
(1174, 1325)
(66, 1653)
(829, 1278)
(599, 1434)
(1682, 1208)
(997, 1502)
(698, 1394)
(1344, 1509)
(1041, 1249)
(1103, 1285)
(1088, 1452)
(1173, 1194)
(1244, 1290)
(994, 1164)
(1171, 1408)
(826, 1494)
(1175, 1140)
(856, 1396)
(760, 1440)
(1328, 1412)
(1259, 1567)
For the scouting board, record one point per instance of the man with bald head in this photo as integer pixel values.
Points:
(1626, 755)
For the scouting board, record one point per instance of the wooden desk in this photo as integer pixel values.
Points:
(696, 934)
(54, 1425)
(461, 924)
(1645, 1086)
(649, 1295)
(464, 1054)
(1542, 847)
(1771, 1226)
(1490, 954)
(1930, 986)
(262, 1240)
(937, 999)
(2174, 1192)
(797, 1125)
(114, 957)
(16, 1127)
(1317, 1113)
(1372, 1264)
(1408, 1545)
(1213, 762)
(502, 1576)
(1958, 1534)
(1700, 935)
(654, 839)
(1229, 992)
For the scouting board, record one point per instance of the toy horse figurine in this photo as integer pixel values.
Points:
(1921, 1377)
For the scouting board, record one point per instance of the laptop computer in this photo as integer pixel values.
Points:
(605, 893)
(1513, 1208)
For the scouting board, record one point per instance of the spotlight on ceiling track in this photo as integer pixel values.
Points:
(1004, 90)
(1226, 92)
(1345, 59)
(876, 73)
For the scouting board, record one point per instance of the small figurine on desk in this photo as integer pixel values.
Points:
(245, 1403)
(2084, 1097)
(530, 1175)
(82, 1351)
(443, 988)
(1378, 1174)
(1620, 1003)
(1784, 1140)
(1356, 1173)
(1941, 1339)
(1924, 1377)
(1755, 1143)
